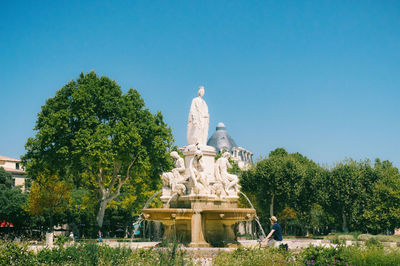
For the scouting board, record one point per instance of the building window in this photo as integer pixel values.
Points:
(17, 166)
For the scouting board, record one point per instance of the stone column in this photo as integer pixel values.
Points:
(169, 229)
(229, 231)
(198, 230)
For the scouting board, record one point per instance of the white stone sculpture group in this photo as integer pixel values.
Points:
(222, 184)
(193, 179)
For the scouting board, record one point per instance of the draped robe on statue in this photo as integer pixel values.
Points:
(198, 122)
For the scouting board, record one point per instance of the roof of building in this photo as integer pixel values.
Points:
(221, 140)
(8, 159)
(14, 171)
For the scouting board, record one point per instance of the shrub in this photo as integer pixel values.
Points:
(318, 255)
(371, 256)
(381, 238)
(373, 241)
(61, 240)
(253, 256)
(13, 254)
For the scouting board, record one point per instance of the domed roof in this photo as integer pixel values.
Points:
(221, 140)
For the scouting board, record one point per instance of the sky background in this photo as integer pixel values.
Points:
(317, 77)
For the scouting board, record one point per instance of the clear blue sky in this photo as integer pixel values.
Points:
(317, 77)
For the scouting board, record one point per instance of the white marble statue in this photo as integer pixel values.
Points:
(198, 121)
(229, 181)
(173, 180)
(199, 178)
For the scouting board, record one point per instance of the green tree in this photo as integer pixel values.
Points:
(48, 197)
(94, 136)
(281, 180)
(345, 188)
(5, 178)
(11, 201)
(382, 211)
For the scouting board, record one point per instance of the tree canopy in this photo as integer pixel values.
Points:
(94, 136)
(352, 195)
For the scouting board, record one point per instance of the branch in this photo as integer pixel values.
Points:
(115, 175)
(130, 165)
(122, 181)
(100, 181)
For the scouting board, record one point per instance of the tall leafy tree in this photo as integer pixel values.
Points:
(282, 180)
(345, 187)
(382, 211)
(11, 201)
(95, 136)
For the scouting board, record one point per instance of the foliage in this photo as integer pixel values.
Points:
(373, 241)
(11, 202)
(5, 178)
(12, 253)
(94, 136)
(357, 196)
(283, 180)
(91, 253)
(252, 256)
(318, 255)
(382, 211)
(381, 238)
(374, 255)
(48, 197)
(61, 240)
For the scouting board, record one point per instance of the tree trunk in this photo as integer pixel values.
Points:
(50, 231)
(344, 225)
(271, 206)
(100, 214)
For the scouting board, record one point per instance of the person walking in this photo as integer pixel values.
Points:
(275, 236)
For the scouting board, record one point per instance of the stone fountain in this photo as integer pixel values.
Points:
(199, 196)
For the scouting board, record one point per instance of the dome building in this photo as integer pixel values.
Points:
(222, 141)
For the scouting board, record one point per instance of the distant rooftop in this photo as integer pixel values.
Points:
(221, 140)
(8, 159)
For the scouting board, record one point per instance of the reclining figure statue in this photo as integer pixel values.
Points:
(229, 181)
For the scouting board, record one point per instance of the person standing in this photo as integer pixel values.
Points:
(275, 236)
(100, 237)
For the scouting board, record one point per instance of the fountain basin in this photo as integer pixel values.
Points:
(200, 227)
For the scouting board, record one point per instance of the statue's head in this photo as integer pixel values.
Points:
(174, 155)
(226, 154)
(201, 91)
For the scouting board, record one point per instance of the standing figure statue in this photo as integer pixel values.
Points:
(174, 179)
(198, 121)
(229, 181)
(199, 178)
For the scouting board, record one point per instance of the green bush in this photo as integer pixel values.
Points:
(374, 255)
(373, 242)
(254, 256)
(61, 240)
(92, 253)
(13, 254)
(341, 238)
(381, 238)
(318, 255)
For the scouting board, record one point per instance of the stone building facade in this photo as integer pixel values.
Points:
(14, 167)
